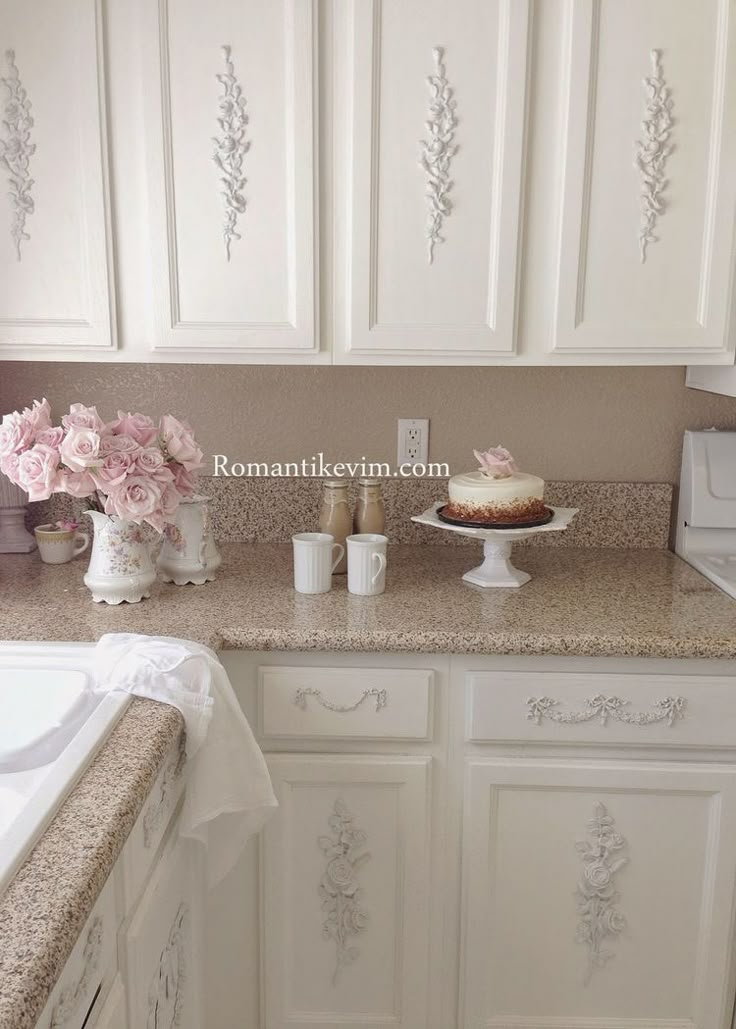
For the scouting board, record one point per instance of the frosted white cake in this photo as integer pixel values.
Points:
(497, 492)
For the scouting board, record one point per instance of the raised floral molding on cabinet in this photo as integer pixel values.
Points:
(300, 699)
(231, 148)
(668, 709)
(339, 890)
(59, 284)
(157, 813)
(596, 893)
(438, 150)
(17, 149)
(71, 997)
(652, 152)
(166, 992)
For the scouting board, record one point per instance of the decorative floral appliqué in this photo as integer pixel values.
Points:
(175, 537)
(166, 992)
(596, 893)
(16, 150)
(230, 149)
(122, 543)
(652, 152)
(339, 890)
(437, 151)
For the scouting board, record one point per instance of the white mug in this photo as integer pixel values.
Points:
(57, 546)
(314, 562)
(367, 564)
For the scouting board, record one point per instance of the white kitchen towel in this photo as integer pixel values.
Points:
(229, 794)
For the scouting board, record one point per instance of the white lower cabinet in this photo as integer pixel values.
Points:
(114, 1014)
(544, 843)
(346, 892)
(597, 894)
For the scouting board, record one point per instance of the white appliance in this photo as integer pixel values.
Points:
(706, 513)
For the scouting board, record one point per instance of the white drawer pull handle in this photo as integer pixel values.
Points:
(71, 997)
(300, 699)
(668, 709)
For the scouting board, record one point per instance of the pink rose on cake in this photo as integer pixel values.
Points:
(496, 462)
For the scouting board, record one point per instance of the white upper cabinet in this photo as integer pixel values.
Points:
(648, 156)
(56, 277)
(230, 124)
(429, 131)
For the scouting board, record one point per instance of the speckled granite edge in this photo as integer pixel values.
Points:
(42, 912)
(611, 514)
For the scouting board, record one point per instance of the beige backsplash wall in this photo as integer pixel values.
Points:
(606, 424)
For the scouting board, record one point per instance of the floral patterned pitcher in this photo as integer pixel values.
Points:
(189, 553)
(120, 566)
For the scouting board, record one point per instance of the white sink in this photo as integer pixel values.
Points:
(51, 725)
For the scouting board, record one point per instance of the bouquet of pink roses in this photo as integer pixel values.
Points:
(130, 467)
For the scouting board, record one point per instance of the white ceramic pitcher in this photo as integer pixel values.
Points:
(188, 553)
(120, 565)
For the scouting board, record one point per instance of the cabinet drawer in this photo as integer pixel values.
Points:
(559, 707)
(91, 966)
(347, 703)
(150, 828)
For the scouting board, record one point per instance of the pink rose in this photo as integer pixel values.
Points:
(139, 426)
(38, 416)
(16, 434)
(38, 471)
(170, 500)
(184, 481)
(9, 466)
(180, 443)
(112, 469)
(80, 448)
(76, 484)
(149, 460)
(81, 417)
(137, 499)
(52, 436)
(124, 443)
(496, 462)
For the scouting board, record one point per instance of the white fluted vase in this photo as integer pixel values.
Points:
(189, 553)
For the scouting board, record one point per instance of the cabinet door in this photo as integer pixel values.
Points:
(163, 944)
(230, 127)
(429, 101)
(55, 248)
(114, 1013)
(598, 895)
(346, 865)
(649, 184)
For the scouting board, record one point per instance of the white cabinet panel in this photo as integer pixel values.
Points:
(230, 126)
(429, 127)
(114, 1013)
(649, 181)
(598, 895)
(55, 247)
(162, 944)
(346, 898)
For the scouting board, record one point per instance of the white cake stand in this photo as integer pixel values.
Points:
(497, 569)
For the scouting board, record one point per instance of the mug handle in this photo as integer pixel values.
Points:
(381, 565)
(83, 538)
(338, 559)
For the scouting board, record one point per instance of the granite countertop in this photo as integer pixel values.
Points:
(44, 908)
(581, 601)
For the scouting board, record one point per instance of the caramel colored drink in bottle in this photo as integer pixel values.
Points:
(370, 515)
(335, 516)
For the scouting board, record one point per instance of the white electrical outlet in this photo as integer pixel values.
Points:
(413, 445)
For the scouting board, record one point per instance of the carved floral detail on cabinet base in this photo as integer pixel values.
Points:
(437, 151)
(596, 894)
(67, 1006)
(668, 709)
(652, 151)
(340, 890)
(230, 149)
(16, 150)
(166, 992)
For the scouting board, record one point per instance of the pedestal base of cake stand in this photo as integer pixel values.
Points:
(496, 569)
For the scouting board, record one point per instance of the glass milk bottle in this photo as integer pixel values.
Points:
(335, 516)
(369, 514)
